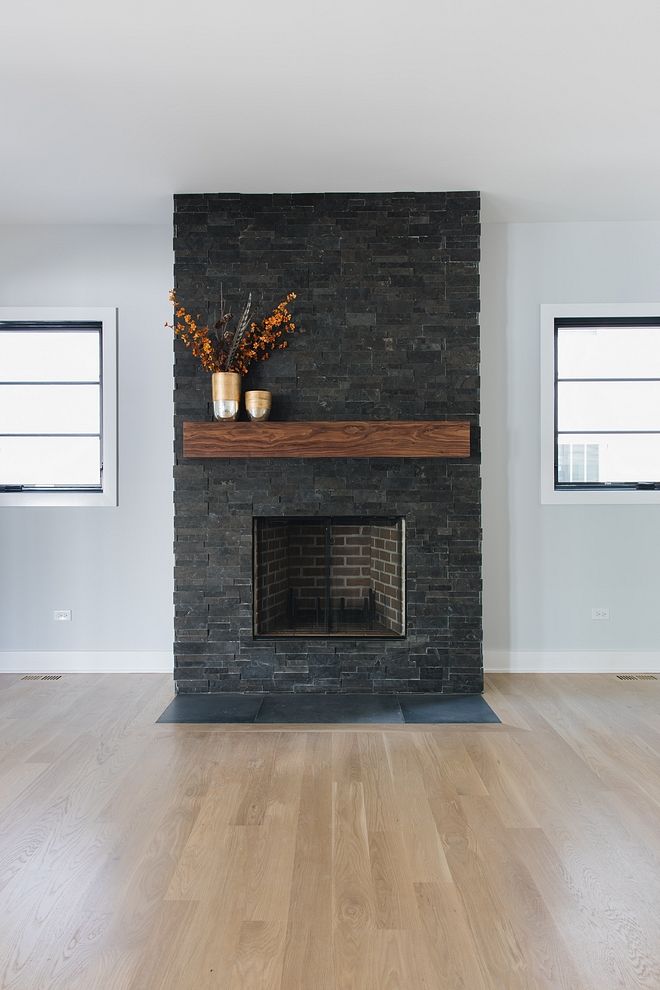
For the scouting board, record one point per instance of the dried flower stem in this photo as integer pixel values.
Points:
(251, 341)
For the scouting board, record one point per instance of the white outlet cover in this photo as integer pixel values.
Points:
(600, 613)
(62, 615)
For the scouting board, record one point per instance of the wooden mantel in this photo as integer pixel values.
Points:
(377, 438)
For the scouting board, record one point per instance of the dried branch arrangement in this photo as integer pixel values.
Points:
(224, 348)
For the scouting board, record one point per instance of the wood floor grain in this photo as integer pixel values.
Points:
(137, 856)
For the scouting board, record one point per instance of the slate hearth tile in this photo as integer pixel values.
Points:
(438, 708)
(209, 708)
(329, 708)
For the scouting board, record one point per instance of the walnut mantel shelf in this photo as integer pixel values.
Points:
(377, 438)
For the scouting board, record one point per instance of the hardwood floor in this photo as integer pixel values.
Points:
(136, 856)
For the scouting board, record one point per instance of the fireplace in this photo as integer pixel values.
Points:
(329, 576)
(388, 295)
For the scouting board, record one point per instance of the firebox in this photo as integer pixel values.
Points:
(329, 576)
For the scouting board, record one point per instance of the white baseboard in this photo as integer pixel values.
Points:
(572, 662)
(495, 661)
(87, 662)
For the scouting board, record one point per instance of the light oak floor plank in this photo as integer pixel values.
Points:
(520, 856)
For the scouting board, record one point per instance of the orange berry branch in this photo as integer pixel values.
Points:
(226, 349)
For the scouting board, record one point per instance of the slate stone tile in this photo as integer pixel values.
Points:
(208, 708)
(330, 708)
(438, 708)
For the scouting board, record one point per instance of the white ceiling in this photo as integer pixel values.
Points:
(549, 107)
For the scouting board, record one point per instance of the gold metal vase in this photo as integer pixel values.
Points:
(257, 405)
(226, 393)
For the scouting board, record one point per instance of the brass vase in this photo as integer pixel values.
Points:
(226, 392)
(257, 405)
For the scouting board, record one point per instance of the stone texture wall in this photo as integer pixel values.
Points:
(388, 294)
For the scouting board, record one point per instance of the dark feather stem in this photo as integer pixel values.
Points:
(240, 332)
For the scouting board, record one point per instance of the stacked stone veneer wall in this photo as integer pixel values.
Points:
(388, 294)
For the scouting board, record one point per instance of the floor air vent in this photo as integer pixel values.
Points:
(41, 677)
(637, 677)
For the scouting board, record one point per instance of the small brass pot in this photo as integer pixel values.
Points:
(257, 405)
(226, 392)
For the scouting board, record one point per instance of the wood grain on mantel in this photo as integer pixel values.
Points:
(377, 438)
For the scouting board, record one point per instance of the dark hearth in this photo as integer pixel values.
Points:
(388, 294)
(329, 577)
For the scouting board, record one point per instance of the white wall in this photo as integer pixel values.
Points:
(111, 566)
(545, 567)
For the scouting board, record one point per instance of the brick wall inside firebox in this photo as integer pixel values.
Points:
(291, 572)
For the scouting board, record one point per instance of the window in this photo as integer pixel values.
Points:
(601, 403)
(58, 407)
(577, 462)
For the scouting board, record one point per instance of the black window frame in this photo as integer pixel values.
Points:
(59, 326)
(564, 323)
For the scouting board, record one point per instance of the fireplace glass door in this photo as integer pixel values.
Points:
(329, 576)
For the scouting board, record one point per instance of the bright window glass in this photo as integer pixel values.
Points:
(49, 355)
(51, 406)
(608, 406)
(608, 352)
(614, 458)
(50, 409)
(607, 403)
(50, 461)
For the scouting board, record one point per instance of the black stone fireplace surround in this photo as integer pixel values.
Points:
(388, 294)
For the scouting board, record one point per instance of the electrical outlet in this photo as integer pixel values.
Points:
(600, 613)
(62, 615)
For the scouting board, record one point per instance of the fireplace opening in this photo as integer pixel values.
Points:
(329, 576)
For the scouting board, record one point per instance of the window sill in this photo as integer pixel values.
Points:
(617, 496)
(28, 499)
